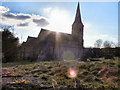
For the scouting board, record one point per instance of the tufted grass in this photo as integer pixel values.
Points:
(88, 75)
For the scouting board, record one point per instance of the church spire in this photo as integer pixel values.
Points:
(78, 16)
(77, 27)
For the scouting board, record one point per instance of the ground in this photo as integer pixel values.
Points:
(97, 73)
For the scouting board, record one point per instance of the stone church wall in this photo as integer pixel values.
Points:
(68, 52)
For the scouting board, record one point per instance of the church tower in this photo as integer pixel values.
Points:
(77, 27)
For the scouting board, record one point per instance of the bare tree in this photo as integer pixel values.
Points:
(98, 43)
(109, 44)
(113, 44)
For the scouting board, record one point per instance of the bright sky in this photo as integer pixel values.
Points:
(100, 19)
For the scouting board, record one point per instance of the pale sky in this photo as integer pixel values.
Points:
(100, 19)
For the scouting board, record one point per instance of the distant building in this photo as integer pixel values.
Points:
(54, 45)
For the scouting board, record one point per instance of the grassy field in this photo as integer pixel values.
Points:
(97, 73)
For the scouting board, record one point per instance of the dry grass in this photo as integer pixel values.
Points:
(94, 74)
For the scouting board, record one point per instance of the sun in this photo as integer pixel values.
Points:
(59, 21)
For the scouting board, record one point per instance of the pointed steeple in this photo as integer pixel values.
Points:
(77, 27)
(78, 16)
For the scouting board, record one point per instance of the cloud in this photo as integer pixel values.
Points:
(21, 19)
(41, 22)
(19, 16)
(3, 9)
(23, 24)
(1, 29)
(5, 26)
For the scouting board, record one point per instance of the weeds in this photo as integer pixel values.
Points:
(98, 73)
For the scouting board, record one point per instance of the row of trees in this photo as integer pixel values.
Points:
(106, 44)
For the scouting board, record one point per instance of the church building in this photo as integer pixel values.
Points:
(51, 45)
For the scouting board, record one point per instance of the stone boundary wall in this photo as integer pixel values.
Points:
(103, 52)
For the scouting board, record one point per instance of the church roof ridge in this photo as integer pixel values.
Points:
(52, 31)
(31, 37)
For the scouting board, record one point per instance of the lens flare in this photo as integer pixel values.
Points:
(72, 73)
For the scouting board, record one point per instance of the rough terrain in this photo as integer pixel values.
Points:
(97, 73)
